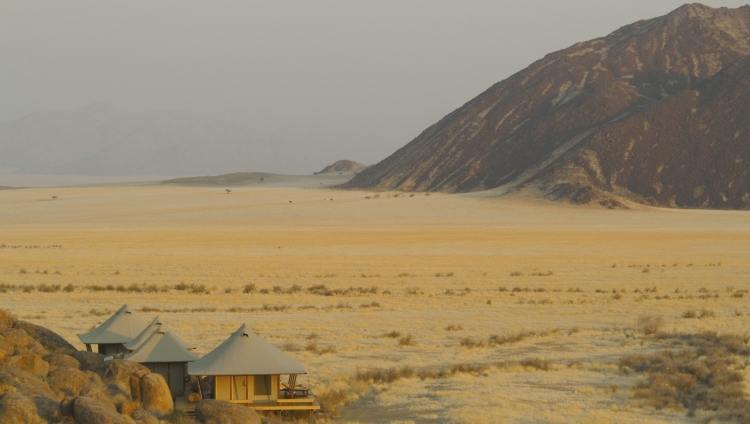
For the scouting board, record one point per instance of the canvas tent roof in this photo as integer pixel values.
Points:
(161, 346)
(121, 327)
(245, 353)
(151, 329)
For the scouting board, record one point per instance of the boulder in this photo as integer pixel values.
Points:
(59, 360)
(116, 375)
(156, 397)
(51, 341)
(16, 408)
(90, 361)
(29, 363)
(71, 381)
(129, 408)
(92, 411)
(66, 406)
(6, 319)
(28, 384)
(6, 348)
(101, 395)
(34, 347)
(212, 411)
(17, 337)
(147, 419)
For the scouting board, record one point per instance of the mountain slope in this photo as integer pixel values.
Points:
(530, 128)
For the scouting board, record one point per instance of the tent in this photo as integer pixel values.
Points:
(122, 327)
(246, 368)
(151, 329)
(164, 352)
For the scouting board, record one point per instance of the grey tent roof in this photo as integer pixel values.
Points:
(151, 329)
(121, 327)
(161, 346)
(245, 353)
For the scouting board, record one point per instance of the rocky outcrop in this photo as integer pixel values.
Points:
(89, 361)
(212, 411)
(92, 411)
(33, 364)
(6, 320)
(156, 397)
(51, 341)
(72, 381)
(16, 408)
(654, 112)
(116, 376)
(59, 360)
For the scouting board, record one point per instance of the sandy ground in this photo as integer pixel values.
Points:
(437, 263)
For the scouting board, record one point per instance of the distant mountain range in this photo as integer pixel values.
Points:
(100, 139)
(657, 112)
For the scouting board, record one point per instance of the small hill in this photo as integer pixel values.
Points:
(655, 112)
(343, 166)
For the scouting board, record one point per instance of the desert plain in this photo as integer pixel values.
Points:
(505, 309)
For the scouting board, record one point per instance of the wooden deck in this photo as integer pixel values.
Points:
(298, 403)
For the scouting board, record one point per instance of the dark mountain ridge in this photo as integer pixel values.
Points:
(644, 113)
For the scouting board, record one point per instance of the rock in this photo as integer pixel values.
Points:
(48, 338)
(66, 406)
(116, 375)
(16, 408)
(156, 397)
(72, 381)
(148, 419)
(101, 395)
(129, 408)
(92, 411)
(89, 360)
(6, 320)
(59, 360)
(29, 363)
(6, 348)
(28, 384)
(212, 411)
(16, 337)
(34, 348)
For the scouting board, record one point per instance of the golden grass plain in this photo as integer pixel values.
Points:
(575, 281)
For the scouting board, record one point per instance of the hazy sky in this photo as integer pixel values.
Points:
(359, 63)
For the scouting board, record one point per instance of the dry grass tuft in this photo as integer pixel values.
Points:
(407, 340)
(705, 375)
(536, 363)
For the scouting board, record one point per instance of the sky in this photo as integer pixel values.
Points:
(386, 67)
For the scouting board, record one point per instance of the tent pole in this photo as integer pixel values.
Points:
(200, 388)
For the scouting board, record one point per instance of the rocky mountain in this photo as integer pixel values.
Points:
(656, 111)
(343, 166)
(100, 139)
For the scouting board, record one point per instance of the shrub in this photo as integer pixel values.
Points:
(249, 288)
(454, 327)
(44, 288)
(471, 343)
(689, 314)
(407, 340)
(516, 274)
(391, 334)
(69, 288)
(650, 325)
(536, 363)
(496, 340)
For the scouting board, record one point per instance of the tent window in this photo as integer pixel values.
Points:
(262, 385)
